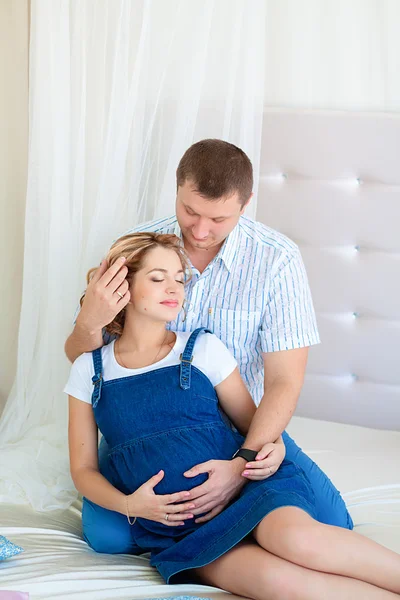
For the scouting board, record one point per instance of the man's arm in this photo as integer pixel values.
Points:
(100, 306)
(283, 380)
(288, 328)
(82, 340)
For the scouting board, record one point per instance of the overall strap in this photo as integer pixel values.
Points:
(97, 378)
(186, 358)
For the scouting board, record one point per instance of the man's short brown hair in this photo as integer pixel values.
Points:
(216, 169)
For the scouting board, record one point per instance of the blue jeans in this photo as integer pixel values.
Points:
(330, 505)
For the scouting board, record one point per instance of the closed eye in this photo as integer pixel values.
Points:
(161, 280)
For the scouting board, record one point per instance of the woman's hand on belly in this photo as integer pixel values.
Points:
(224, 483)
(146, 504)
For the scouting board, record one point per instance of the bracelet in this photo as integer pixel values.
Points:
(127, 513)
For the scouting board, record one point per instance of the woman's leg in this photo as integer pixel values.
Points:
(292, 534)
(330, 506)
(250, 571)
(107, 531)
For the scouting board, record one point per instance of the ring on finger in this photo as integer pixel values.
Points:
(166, 516)
(119, 294)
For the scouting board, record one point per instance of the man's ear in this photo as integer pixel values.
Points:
(246, 204)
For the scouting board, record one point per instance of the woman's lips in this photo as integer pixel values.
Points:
(170, 303)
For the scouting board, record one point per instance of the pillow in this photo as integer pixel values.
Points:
(182, 598)
(8, 549)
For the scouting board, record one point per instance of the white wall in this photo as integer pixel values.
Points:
(333, 54)
(13, 172)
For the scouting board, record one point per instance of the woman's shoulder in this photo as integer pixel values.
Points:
(208, 348)
(84, 362)
(203, 340)
(213, 358)
(209, 341)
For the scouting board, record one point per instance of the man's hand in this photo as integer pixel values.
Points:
(224, 483)
(106, 295)
(267, 462)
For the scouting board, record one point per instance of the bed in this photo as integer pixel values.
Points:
(331, 182)
(57, 563)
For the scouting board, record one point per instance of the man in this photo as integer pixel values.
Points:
(250, 288)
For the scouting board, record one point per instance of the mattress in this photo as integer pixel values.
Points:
(363, 463)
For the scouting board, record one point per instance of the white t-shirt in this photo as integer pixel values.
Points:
(210, 356)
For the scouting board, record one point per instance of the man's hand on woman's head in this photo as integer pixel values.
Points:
(106, 295)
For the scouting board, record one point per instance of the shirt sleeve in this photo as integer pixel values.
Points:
(289, 320)
(80, 383)
(219, 363)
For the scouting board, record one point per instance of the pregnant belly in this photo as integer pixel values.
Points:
(174, 452)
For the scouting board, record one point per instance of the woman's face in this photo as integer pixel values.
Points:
(157, 290)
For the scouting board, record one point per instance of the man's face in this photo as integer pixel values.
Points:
(206, 223)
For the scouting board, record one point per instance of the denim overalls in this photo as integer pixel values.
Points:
(169, 419)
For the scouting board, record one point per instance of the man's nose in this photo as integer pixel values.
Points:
(200, 230)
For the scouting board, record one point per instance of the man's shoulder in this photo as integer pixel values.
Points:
(266, 238)
(164, 225)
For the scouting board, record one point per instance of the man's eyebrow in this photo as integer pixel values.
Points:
(197, 214)
(190, 208)
(163, 271)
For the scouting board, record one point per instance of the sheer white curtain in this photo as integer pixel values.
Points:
(118, 90)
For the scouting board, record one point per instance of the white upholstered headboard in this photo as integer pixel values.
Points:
(331, 182)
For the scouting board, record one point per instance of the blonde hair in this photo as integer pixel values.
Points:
(135, 247)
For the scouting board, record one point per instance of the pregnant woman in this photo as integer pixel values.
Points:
(160, 398)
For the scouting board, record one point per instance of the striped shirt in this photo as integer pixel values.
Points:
(254, 295)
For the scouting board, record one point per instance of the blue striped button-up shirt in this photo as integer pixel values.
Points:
(254, 295)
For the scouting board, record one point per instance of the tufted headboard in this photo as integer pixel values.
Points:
(331, 182)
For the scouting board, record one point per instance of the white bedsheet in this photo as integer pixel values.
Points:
(363, 463)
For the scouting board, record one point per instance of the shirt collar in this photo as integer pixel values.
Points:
(177, 230)
(228, 248)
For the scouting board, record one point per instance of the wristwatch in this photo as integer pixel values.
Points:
(248, 455)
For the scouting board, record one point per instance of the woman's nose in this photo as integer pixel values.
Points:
(172, 287)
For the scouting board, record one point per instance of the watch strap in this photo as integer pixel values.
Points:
(248, 455)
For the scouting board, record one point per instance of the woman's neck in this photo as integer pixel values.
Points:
(141, 334)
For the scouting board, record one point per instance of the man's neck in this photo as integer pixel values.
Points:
(200, 258)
